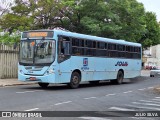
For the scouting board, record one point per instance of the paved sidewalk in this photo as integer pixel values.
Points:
(145, 73)
(12, 82)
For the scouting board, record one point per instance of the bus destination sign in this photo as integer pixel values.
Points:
(37, 34)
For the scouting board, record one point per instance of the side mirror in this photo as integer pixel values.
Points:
(15, 46)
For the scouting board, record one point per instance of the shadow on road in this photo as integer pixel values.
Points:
(86, 85)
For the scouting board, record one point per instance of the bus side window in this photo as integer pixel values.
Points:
(63, 48)
(66, 47)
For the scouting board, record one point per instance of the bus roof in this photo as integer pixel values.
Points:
(89, 37)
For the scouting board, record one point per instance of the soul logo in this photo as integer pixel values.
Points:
(121, 63)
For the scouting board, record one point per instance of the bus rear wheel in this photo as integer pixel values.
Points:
(119, 79)
(75, 80)
(43, 85)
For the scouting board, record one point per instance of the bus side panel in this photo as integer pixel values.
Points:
(133, 69)
(91, 69)
(77, 64)
(64, 72)
(98, 68)
(132, 74)
(111, 69)
(101, 69)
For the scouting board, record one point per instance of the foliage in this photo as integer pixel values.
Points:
(118, 19)
(131, 19)
(11, 21)
(152, 34)
(9, 39)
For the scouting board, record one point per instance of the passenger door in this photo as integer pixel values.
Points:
(64, 48)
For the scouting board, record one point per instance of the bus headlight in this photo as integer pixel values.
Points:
(21, 71)
(50, 71)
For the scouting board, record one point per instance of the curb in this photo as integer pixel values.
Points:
(16, 84)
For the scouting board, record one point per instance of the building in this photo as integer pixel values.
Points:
(151, 57)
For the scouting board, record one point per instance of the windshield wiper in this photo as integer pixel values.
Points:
(37, 45)
(43, 38)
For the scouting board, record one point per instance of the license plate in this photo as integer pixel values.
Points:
(32, 78)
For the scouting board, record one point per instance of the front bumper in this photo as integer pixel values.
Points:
(49, 78)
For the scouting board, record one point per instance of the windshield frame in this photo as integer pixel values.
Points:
(33, 63)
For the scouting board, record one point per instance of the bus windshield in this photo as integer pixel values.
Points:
(37, 51)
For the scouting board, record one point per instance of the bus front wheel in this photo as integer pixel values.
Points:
(75, 80)
(43, 85)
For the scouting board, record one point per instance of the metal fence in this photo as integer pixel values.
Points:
(8, 61)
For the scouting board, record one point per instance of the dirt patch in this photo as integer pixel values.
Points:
(157, 89)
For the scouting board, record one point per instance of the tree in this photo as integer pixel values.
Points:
(12, 21)
(9, 39)
(5, 6)
(152, 34)
(118, 19)
(31, 14)
(90, 17)
(17, 18)
(46, 13)
(131, 19)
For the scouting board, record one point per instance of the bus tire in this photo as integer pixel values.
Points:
(119, 79)
(43, 85)
(94, 82)
(151, 75)
(75, 80)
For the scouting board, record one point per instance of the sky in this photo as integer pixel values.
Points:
(153, 6)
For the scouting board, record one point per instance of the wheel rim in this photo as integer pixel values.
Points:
(75, 80)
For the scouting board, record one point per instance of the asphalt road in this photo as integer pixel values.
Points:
(133, 95)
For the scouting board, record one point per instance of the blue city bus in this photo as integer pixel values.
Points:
(59, 56)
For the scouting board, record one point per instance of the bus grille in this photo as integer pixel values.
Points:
(35, 68)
